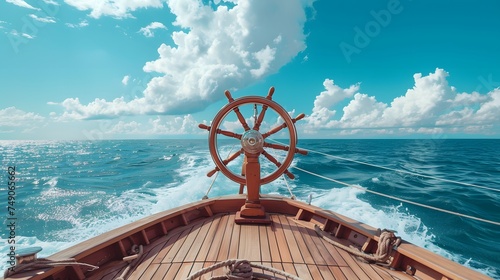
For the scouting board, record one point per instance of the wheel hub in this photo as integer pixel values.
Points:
(252, 142)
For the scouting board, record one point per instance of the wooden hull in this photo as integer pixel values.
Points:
(183, 240)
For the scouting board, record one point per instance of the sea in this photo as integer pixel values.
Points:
(68, 191)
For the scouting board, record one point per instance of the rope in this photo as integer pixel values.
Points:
(387, 241)
(401, 199)
(239, 269)
(292, 196)
(216, 174)
(46, 263)
(132, 260)
(400, 170)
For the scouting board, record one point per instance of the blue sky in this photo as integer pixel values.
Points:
(104, 69)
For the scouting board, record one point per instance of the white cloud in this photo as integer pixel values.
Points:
(28, 36)
(100, 108)
(489, 112)
(333, 94)
(174, 125)
(42, 19)
(125, 79)
(362, 111)
(81, 24)
(122, 127)
(264, 57)
(225, 48)
(13, 117)
(165, 125)
(148, 31)
(22, 3)
(17, 34)
(51, 2)
(321, 113)
(429, 96)
(432, 106)
(114, 8)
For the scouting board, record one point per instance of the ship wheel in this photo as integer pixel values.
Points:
(252, 140)
(253, 143)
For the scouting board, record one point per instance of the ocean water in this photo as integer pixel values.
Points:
(68, 191)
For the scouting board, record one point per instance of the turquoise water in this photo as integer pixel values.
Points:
(67, 192)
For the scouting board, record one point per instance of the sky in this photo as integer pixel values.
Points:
(154, 69)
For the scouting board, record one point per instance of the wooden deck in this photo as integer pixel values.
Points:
(285, 245)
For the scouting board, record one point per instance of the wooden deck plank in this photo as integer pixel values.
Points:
(217, 240)
(176, 246)
(160, 271)
(195, 268)
(319, 253)
(303, 271)
(302, 246)
(350, 274)
(273, 244)
(202, 255)
(321, 248)
(265, 250)
(338, 273)
(235, 241)
(148, 256)
(290, 240)
(289, 268)
(111, 274)
(227, 237)
(334, 252)
(314, 271)
(277, 265)
(167, 247)
(249, 247)
(147, 274)
(353, 264)
(391, 274)
(190, 245)
(172, 271)
(326, 273)
(368, 269)
(184, 270)
(285, 253)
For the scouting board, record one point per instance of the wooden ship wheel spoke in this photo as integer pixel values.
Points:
(252, 146)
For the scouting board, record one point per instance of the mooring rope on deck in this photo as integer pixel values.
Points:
(240, 269)
(46, 263)
(387, 241)
(132, 260)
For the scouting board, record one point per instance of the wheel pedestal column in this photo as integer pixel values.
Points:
(252, 211)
